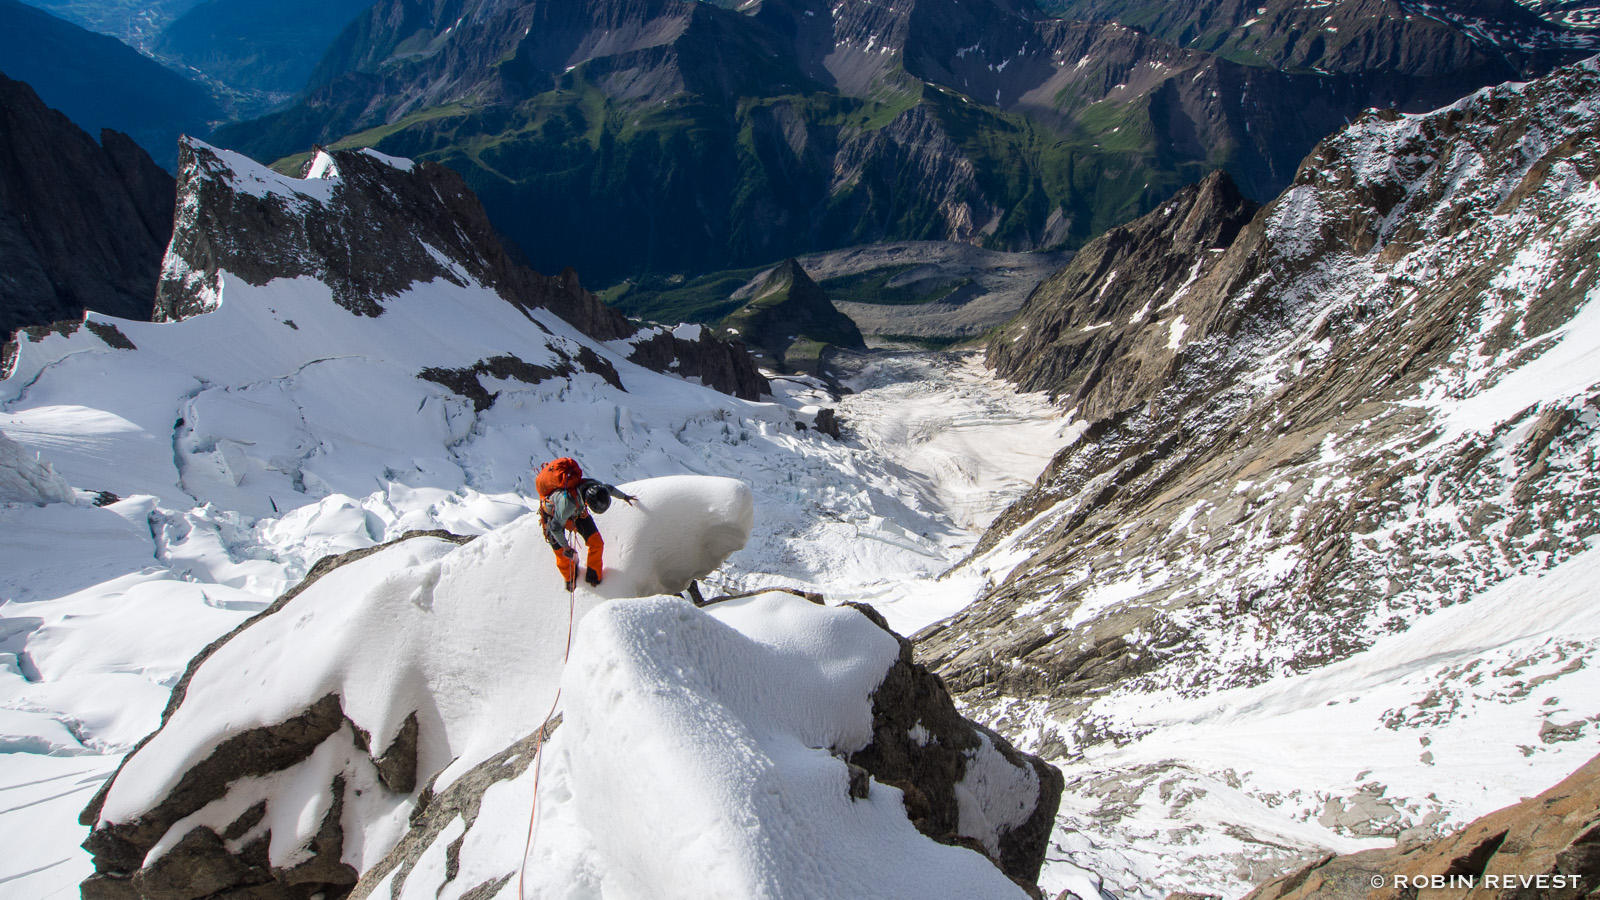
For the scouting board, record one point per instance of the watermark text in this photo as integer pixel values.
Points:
(1545, 882)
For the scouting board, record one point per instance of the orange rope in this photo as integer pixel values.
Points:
(538, 741)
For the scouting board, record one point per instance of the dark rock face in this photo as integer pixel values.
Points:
(721, 364)
(1097, 335)
(1330, 321)
(82, 226)
(1546, 846)
(792, 322)
(927, 765)
(201, 865)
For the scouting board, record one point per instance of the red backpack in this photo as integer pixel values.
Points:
(557, 475)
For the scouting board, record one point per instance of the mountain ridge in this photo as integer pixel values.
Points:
(1366, 412)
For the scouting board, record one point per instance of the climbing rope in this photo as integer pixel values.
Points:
(539, 736)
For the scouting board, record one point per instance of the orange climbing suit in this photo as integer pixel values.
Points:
(561, 509)
(583, 525)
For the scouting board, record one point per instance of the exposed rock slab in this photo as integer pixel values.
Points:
(924, 746)
(1546, 846)
(203, 863)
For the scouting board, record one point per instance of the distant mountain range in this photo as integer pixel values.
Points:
(100, 82)
(134, 22)
(636, 136)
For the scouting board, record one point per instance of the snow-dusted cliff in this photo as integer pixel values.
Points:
(1238, 604)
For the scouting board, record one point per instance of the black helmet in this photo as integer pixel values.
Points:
(596, 497)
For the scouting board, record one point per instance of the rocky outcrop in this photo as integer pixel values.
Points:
(921, 745)
(1099, 334)
(319, 784)
(437, 810)
(366, 226)
(924, 747)
(1546, 846)
(1298, 482)
(466, 381)
(82, 225)
(722, 364)
(792, 323)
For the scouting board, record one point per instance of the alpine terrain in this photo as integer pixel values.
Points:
(1325, 530)
(1247, 550)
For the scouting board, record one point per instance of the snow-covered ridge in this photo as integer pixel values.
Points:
(435, 657)
(367, 226)
(300, 748)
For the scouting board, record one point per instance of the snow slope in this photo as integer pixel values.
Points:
(469, 641)
(701, 752)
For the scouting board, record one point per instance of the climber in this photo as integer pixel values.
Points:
(566, 499)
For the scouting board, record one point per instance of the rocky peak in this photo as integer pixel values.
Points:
(82, 225)
(1102, 335)
(371, 226)
(367, 225)
(792, 322)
